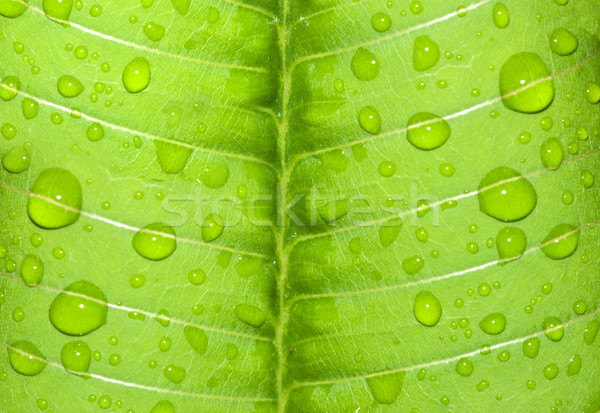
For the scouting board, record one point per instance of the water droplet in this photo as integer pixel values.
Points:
(550, 371)
(250, 315)
(511, 243)
(592, 93)
(164, 406)
(8, 131)
(9, 87)
(416, 7)
(591, 331)
(16, 160)
(155, 242)
(493, 324)
(504, 356)
(95, 10)
(427, 309)
(154, 31)
(174, 373)
(196, 277)
(525, 85)
(365, 65)
(506, 195)
(12, 9)
(80, 309)
(500, 15)
(558, 245)
(587, 179)
(447, 170)
(464, 367)
(61, 202)
(369, 120)
(215, 173)
(32, 270)
(563, 42)
(196, 338)
(427, 131)
(95, 132)
(387, 169)
(76, 357)
(69, 86)
(136, 75)
(551, 153)
(574, 366)
(389, 231)
(553, 328)
(386, 388)
(30, 108)
(26, 359)
(426, 53)
(172, 157)
(212, 228)
(381, 22)
(413, 265)
(579, 307)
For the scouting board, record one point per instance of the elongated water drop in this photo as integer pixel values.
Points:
(32, 270)
(80, 309)
(212, 228)
(574, 366)
(136, 75)
(427, 309)
(426, 53)
(386, 388)
(551, 153)
(76, 357)
(196, 338)
(250, 315)
(500, 15)
(215, 173)
(389, 230)
(25, 358)
(56, 199)
(493, 324)
(511, 243)
(369, 120)
(561, 242)
(553, 328)
(155, 241)
(525, 83)
(506, 195)
(427, 131)
(531, 347)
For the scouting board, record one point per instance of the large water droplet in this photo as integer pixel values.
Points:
(525, 83)
(427, 131)
(369, 120)
(154, 31)
(136, 75)
(57, 9)
(12, 8)
(182, 6)
(493, 324)
(61, 202)
(69, 86)
(365, 65)
(505, 195)
(563, 42)
(76, 357)
(511, 243)
(174, 373)
(558, 245)
(551, 153)
(500, 15)
(531, 347)
(212, 228)
(32, 270)
(427, 309)
(172, 157)
(196, 338)
(80, 309)
(426, 53)
(250, 315)
(464, 367)
(16, 160)
(155, 241)
(26, 359)
(386, 388)
(553, 328)
(215, 173)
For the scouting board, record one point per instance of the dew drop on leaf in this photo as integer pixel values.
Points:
(426, 53)
(427, 131)
(550, 371)
(172, 157)
(506, 195)
(558, 245)
(196, 338)
(32, 270)
(80, 309)
(525, 85)
(592, 93)
(386, 388)
(511, 243)
(163, 406)
(9, 87)
(155, 242)
(174, 374)
(464, 367)
(56, 199)
(95, 132)
(365, 65)
(574, 365)
(413, 265)
(427, 309)
(551, 153)
(25, 358)
(30, 108)
(76, 357)
(369, 120)
(212, 228)
(250, 315)
(68, 86)
(136, 75)
(154, 31)
(16, 160)
(57, 9)
(215, 173)
(500, 15)
(389, 231)
(12, 8)
(381, 22)
(553, 328)
(563, 42)
(591, 331)
(493, 324)
(196, 277)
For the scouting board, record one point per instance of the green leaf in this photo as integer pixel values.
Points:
(299, 206)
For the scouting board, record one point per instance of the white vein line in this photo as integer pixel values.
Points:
(137, 132)
(434, 204)
(130, 227)
(447, 360)
(463, 112)
(144, 48)
(135, 385)
(445, 276)
(389, 36)
(146, 313)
